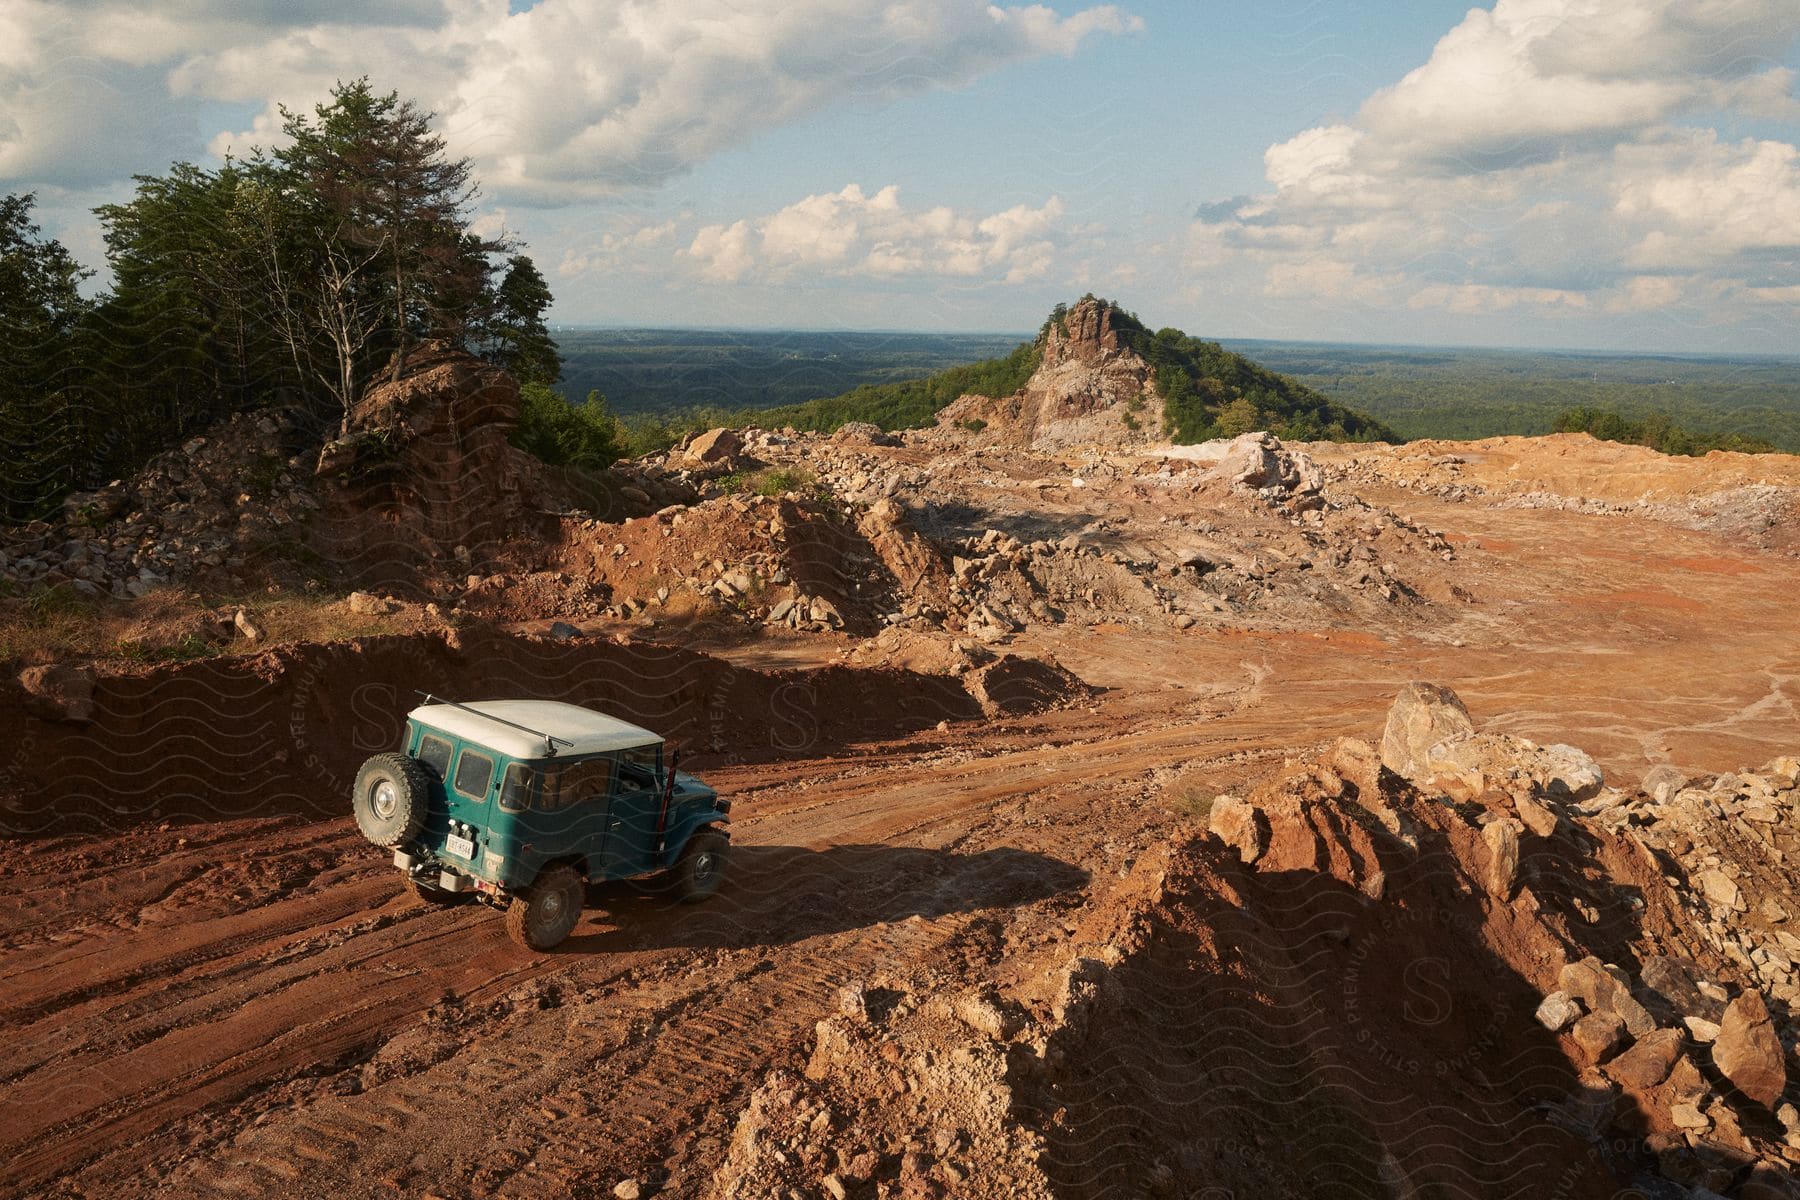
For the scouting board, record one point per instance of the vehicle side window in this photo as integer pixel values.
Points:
(517, 787)
(434, 752)
(473, 774)
(638, 768)
(578, 782)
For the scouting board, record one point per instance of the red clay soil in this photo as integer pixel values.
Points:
(210, 985)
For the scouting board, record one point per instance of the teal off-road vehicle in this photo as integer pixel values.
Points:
(522, 803)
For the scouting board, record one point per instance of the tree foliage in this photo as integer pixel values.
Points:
(40, 309)
(1209, 391)
(294, 277)
(564, 434)
(1656, 431)
(514, 334)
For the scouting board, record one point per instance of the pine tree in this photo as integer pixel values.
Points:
(517, 336)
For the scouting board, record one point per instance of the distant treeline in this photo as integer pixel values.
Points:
(1208, 391)
(671, 370)
(1477, 393)
(1657, 432)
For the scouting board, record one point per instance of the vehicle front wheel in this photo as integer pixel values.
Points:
(432, 894)
(701, 867)
(546, 912)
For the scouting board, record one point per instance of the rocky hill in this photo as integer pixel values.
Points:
(1088, 389)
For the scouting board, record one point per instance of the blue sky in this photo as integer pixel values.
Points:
(1588, 173)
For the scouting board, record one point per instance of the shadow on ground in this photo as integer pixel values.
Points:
(774, 895)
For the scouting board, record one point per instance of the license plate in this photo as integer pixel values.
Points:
(462, 847)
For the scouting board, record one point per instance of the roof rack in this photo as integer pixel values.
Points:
(550, 739)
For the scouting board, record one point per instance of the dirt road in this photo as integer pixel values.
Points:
(254, 1008)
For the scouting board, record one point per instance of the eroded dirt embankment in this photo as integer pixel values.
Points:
(284, 731)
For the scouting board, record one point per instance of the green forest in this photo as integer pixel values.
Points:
(1210, 392)
(1473, 393)
(292, 278)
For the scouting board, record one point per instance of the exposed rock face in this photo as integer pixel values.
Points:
(913, 560)
(1601, 991)
(1431, 741)
(1675, 982)
(1090, 389)
(1422, 715)
(1502, 838)
(1648, 1062)
(425, 467)
(1239, 826)
(1748, 1052)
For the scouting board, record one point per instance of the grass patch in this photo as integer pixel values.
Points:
(1191, 800)
(770, 483)
(168, 625)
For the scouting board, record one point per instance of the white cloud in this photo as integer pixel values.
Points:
(852, 234)
(1550, 156)
(565, 100)
(615, 250)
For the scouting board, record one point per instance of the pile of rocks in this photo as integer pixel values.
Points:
(1728, 841)
(206, 507)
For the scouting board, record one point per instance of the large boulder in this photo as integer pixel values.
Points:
(1647, 1063)
(1258, 461)
(1468, 766)
(1748, 1050)
(1603, 990)
(1422, 716)
(1239, 826)
(713, 446)
(1674, 983)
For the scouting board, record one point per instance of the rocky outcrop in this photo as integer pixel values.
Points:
(1260, 463)
(1089, 389)
(712, 446)
(424, 471)
(1431, 741)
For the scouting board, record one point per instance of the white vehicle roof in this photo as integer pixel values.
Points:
(590, 731)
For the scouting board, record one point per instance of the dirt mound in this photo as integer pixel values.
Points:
(1335, 970)
(1748, 496)
(794, 560)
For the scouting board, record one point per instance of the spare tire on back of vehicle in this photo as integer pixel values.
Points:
(389, 800)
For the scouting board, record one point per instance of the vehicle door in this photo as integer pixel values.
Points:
(636, 805)
(435, 752)
(572, 817)
(469, 797)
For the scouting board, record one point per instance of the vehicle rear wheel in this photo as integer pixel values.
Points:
(701, 867)
(432, 894)
(546, 912)
(389, 799)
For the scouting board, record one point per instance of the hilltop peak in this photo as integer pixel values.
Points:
(1084, 333)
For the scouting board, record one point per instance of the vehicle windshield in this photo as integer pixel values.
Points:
(519, 786)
